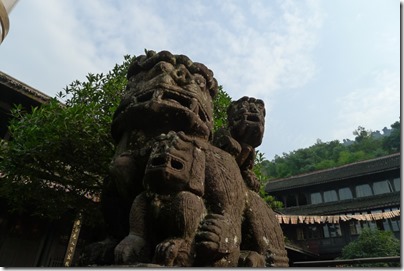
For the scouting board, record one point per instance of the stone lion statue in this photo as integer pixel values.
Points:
(173, 198)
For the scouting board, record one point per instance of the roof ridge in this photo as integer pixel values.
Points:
(337, 168)
(23, 87)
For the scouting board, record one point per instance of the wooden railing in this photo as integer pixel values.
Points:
(348, 262)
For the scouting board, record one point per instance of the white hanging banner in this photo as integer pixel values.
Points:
(334, 219)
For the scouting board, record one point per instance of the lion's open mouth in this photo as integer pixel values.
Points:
(174, 99)
(253, 118)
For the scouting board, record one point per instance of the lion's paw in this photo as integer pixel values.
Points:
(216, 237)
(130, 250)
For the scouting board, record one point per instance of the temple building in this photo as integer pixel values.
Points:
(327, 209)
(14, 92)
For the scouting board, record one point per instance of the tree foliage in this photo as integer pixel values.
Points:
(59, 153)
(323, 155)
(262, 177)
(220, 103)
(373, 243)
(391, 143)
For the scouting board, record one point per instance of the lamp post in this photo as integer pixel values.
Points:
(5, 8)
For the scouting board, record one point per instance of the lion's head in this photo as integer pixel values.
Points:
(167, 92)
(246, 120)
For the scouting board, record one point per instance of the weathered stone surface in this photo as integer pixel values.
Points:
(245, 130)
(173, 198)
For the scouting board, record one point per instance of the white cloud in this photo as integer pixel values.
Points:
(235, 14)
(260, 11)
(278, 57)
(252, 50)
(369, 107)
(59, 42)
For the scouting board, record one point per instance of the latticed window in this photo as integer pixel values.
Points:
(330, 195)
(394, 222)
(332, 230)
(314, 232)
(299, 234)
(397, 184)
(355, 226)
(345, 193)
(363, 190)
(335, 230)
(382, 187)
(316, 198)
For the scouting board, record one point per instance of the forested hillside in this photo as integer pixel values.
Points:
(322, 155)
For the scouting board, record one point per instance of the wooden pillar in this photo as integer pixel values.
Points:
(71, 246)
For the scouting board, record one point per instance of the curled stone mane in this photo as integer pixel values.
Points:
(236, 105)
(146, 62)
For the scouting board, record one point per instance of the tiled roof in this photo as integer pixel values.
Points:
(347, 206)
(357, 169)
(23, 88)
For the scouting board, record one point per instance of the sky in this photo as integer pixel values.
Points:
(322, 67)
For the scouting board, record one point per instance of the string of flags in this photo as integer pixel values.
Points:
(334, 219)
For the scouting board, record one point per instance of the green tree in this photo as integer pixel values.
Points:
(373, 243)
(391, 143)
(369, 146)
(263, 178)
(59, 153)
(220, 104)
(361, 133)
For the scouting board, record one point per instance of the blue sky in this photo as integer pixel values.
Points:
(322, 67)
